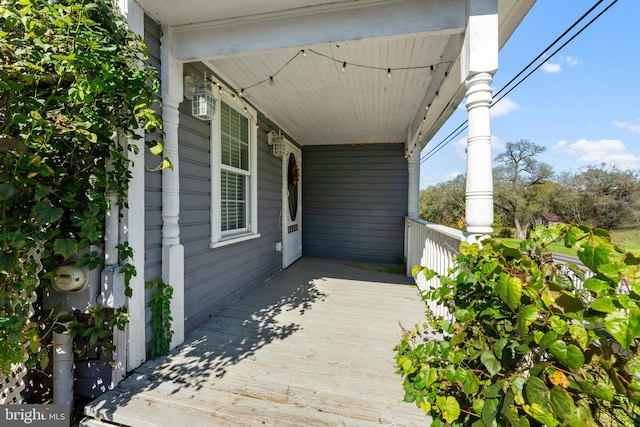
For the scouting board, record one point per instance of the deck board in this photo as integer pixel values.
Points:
(313, 346)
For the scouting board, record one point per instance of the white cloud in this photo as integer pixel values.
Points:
(431, 180)
(610, 151)
(572, 61)
(560, 144)
(502, 108)
(632, 126)
(556, 66)
(551, 68)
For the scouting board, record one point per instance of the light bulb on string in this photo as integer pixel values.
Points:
(272, 82)
(220, 90)
(241, 93)
(244, 110)
(344, 66)
(388, 73)
(304, 53)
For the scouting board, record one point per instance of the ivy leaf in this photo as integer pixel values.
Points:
(547, 339)
(614, 271)
(65, 247)
(46, 213)
(599, 391)
(528, 315)
(490, 362)
(623, 326)
(509, 289)
(546, 234)
(594, 257)
(568, 355)
(579, 334)
(157, 148)
(596, 285)
(542, 414)
(449, 407)
(605, 305)
(490, 412)
(561, 403)
(558, 324)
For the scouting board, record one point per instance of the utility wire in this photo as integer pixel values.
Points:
(463, 126)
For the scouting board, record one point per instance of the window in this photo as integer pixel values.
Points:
(233, 173)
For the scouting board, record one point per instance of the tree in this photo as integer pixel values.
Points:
(601, 197)
(71, 77)
(515, 184)
(444, 203)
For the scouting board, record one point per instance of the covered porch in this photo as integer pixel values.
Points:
(312, 346)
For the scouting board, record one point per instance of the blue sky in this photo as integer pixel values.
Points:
(582, 105)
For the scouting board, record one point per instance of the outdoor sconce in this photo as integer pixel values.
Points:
(276, 140)
(203, 103)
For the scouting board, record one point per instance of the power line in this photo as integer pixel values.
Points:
(463, 126)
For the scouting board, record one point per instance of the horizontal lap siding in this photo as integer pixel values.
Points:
(354, 202)
(153, 188)
(216, 277)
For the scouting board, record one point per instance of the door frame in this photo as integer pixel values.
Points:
(287, 250)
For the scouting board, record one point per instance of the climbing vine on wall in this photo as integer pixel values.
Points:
(72, 76)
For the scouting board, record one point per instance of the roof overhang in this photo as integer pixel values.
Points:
(247, 42)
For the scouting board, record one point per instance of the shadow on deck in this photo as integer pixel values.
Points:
(312, 346)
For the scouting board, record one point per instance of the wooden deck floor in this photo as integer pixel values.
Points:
(311, 347)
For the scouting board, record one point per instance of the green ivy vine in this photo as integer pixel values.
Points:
(72, 77)
(528, 347)
(160, 317)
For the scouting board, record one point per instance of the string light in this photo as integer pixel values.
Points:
(304, 53)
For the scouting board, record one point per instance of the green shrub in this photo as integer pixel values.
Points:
(527, 347)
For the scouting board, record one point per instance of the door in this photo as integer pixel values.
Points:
(291, 205)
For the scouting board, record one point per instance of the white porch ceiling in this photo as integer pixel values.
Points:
(245, 42)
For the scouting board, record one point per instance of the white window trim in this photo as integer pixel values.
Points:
(218, 238)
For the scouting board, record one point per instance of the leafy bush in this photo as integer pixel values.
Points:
(527, 346)
(72, 77)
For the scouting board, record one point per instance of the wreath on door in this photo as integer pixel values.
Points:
(294, 174)
(294, 178)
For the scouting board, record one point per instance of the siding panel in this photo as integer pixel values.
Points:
(354, 202)
(153, 189)
(216, 277)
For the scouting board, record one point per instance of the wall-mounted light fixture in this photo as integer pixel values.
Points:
(200, 92)
(276, 140)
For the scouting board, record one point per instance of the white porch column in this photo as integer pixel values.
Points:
(172, 250)
(479, 189)
(479, 61)
(414, 183)
(133, 224)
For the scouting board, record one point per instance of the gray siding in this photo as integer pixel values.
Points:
(153, 187)
(216, 277)
(354, 202)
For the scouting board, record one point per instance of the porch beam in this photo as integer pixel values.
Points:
(132, 225)
(320, 24)
(413, 160)
(172, 250)
(479, 61)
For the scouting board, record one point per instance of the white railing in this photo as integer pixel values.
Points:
(430, 245)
